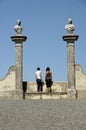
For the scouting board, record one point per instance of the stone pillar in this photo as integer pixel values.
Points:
(18, 38)
(70, 38)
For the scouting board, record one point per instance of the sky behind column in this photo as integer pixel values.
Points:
(43, 23)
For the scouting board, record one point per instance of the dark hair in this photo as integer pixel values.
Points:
(47, 69)
(38, 68)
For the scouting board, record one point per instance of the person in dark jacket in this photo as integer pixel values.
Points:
(48, 79)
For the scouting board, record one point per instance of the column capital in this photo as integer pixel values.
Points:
(70, 38)
(18, 39)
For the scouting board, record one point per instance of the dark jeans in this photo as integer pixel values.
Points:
(39, 85)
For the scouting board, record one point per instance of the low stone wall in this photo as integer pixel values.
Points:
(58, 91)
(56, 87)
(46, 95)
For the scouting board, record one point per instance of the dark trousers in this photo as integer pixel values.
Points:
(39, 85)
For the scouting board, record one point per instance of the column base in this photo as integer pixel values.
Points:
(17, 94)
(71, 93)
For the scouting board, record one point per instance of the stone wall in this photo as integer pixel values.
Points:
(80, 82)
(58, 91)
(8, 82)
(8, 85)
(56, 87)
(80, 78)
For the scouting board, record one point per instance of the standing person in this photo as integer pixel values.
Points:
(38, 76)
(48, 79)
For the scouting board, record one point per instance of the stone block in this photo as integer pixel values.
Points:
(11, 94)
(81, 94)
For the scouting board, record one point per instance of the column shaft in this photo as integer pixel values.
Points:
(71, 64)
(19, 65)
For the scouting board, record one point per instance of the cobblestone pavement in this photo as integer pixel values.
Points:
(43, 114)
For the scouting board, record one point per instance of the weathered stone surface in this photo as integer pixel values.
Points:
(46, 95)
(81, 94)
(70, 39)
(8, 82)
(56, 87)
(11, 94)
(80, 78)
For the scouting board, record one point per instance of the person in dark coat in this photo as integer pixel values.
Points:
(48, 79)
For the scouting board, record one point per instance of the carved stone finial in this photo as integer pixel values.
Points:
(18, 28)
(70, 27)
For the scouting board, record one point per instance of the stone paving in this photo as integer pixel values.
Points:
(43, 114)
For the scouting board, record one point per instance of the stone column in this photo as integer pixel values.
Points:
(70, 38)
(18, 38)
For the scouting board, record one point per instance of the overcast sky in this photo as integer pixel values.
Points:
(43, 23)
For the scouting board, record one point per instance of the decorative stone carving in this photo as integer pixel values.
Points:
(70, 27)
(18, 28)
